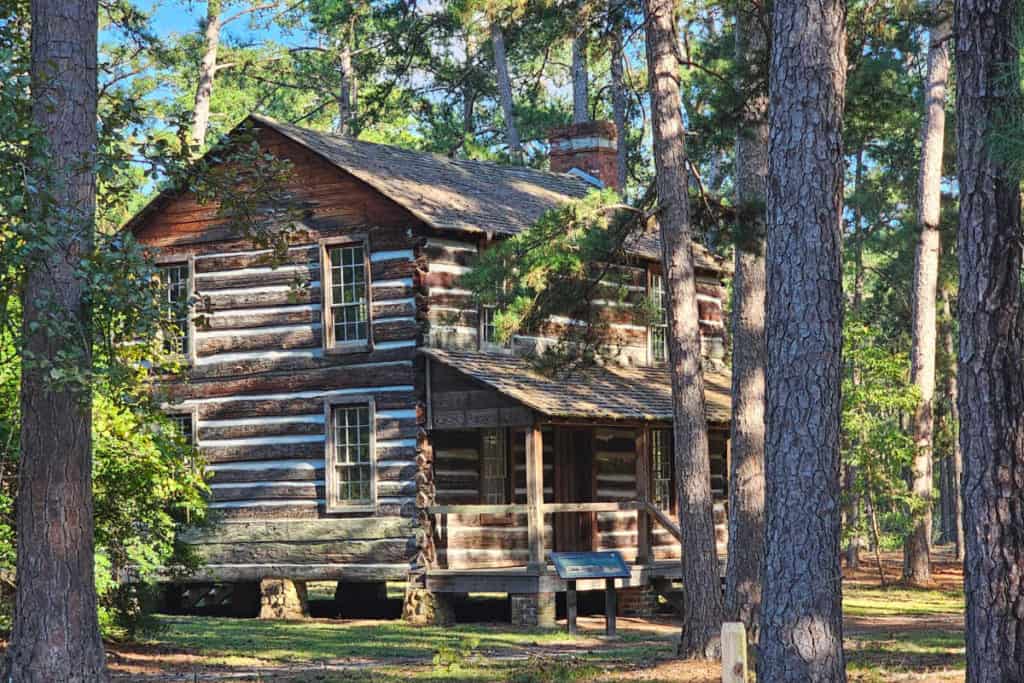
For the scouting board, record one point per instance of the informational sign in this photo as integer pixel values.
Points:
(605, 564)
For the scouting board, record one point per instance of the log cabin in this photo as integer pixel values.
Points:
(369, 426)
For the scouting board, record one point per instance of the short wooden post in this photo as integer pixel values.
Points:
(570, 606)
(643, 490)
(610, 607)
(734, 652)
(535, 498)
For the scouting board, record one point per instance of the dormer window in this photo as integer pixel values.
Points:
(657, 327)
(346, 294)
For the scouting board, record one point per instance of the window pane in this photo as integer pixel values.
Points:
(494, 468)
(348, 293)
(661, 469)
(176, 292)
(353, 470)
(658, 330)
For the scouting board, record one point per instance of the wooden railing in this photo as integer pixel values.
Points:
(664, 520)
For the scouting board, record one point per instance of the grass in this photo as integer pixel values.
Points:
(895, 602)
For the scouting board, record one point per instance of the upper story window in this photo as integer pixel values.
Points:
(488, 330)
(182, 423)
(175, 281)
(661, 469)
(657, 331)
(346, 295)
(350, 459)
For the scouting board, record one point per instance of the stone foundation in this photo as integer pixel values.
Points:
(424, 608)
(532, 609)
(637, 601)
(283, 599)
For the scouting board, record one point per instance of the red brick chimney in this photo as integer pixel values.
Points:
(588, 147)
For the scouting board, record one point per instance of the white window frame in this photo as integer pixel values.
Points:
(190, 328)
(331, 405)
(652, 359)
(500, 454)
(191, 413)
(488, 344)
(665, 437)
(330, 344)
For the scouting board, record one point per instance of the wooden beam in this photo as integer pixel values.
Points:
(643, 490)
(535, 497)
(665, 521)
(477, 509)
(612, 506)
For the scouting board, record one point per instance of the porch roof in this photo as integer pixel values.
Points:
(608, 392)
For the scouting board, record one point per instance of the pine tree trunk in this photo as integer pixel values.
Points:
(990, 309)
(956, 459)
(801, 635)
(702, 618)
(345, 90)
(55, 635)
(207, 72)
(917, 546)
(580, 80)
(620, 109)
(515, 149)
(746, 475)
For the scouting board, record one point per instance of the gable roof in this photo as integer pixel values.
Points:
(461, 194)
(604, 392)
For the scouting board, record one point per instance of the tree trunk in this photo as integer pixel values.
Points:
(702, 618)
(580, 79)
(515, 149)
(801, 626)
(990, 311)
(55, 635)
(746, 475)
(917, 546)
(956, 458)
(345, 112)
(207, 72)
(620, 111)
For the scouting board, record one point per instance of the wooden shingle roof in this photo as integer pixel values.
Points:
(605, 392)
(460, 194)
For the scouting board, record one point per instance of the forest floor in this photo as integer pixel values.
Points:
(891, 634)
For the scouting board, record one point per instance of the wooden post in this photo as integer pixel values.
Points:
(535, 498)
(570, 606)
(610, 607)
(734, 652)
(643, 490)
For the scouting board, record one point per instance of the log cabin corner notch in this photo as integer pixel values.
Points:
(364, 429)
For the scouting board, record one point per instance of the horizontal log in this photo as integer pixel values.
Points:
(299, 337)
(395, 330)
(394, 269)
(240, 431)
(274, 451)
(268, 491)
(592, 507)
(265, 512)
(211, 282)
(402, 471)
(441, 254)
(388, 400)
(476, 509)
(270, 473)
(290, 315)
(386, 551)
(406, 428)
(342, 529)
(257, 365)
(388, 292)
(324, 379)
(298, 572)
(664, 520)
(294, 256)
(394, 308)
(211, 302)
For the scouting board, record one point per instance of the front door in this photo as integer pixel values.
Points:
(574, 483)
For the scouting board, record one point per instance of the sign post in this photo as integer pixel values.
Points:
(607, 565)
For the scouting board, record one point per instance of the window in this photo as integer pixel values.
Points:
(488, 330)
(350, 456)
(661, 469)
(183, 424)
(494, 468)
(175, 282)
(346, 295)
(657, 331)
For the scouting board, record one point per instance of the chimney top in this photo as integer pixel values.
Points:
(589, 147)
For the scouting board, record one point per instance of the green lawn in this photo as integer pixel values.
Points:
(882, 602)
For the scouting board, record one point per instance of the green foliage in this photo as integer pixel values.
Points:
(877, 395)
(452, 657)
(542, 669)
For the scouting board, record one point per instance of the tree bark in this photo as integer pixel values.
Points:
(801, 635)
(515, 149)
(702, 615)
(207, 73)
(956, 460)
(917, 546)
(55, 635)
(746, 475)
(345, 109)
(990, 311)
(580, 79)
(620, 111)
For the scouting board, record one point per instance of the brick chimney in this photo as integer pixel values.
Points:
(588, 147)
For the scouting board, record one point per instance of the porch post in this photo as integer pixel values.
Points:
(643, 493)
(535, 497)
